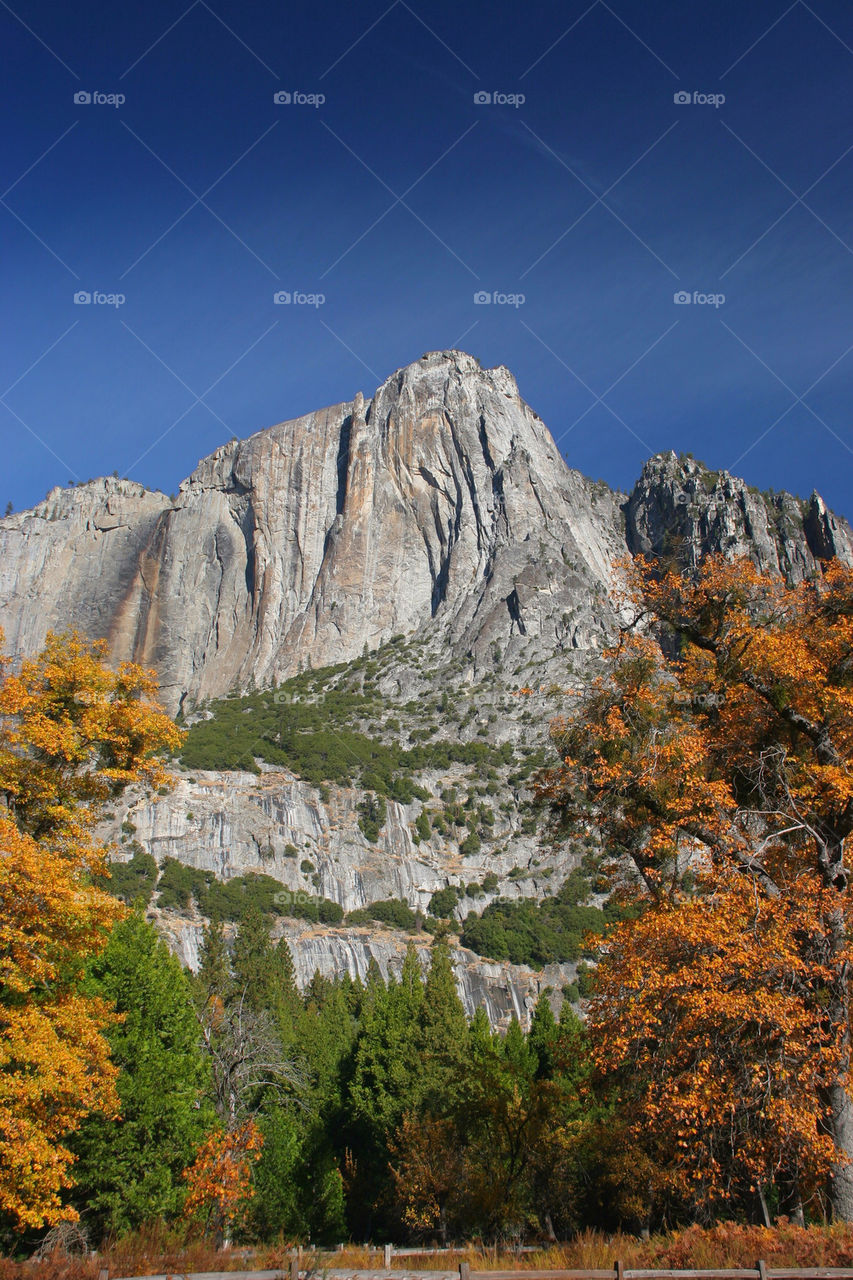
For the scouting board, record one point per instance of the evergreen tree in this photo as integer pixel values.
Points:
(443, 1033)
(387, 1081)
(375, 981)
(254, 961)
(542, 1037)
(479, 1035)
(129, 1170)
(285, 970)
(276, 1207)
(287, 1003)
(329, 1034)
(214, 973)
(517, 1053)
(388, 1073)
(319, 989)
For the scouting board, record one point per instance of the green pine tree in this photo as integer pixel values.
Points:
(542, 1037)
(276, 1209)
(443, 1033)
(129, 1170)
(386, 1081)
(254, 961)
(214, 972)
(480, 1035)
(517, 1053)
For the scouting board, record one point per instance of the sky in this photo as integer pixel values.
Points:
(643, 210)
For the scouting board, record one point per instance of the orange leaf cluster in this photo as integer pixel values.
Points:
(714, 754)
(220, 1178)
(72, 733)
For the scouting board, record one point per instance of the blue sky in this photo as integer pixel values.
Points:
(399, 197)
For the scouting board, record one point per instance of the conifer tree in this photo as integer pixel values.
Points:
(543, 1036)
(443, 1033)
(254, 961)
(214, 972)
(128, 1169)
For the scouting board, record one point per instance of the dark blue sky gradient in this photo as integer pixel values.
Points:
(598, 199)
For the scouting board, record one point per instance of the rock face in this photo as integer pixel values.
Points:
(233, 823)
(681, 509)
(441, 501)
(441, 511)
(503, 990)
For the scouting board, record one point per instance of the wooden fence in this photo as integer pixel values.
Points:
(618, 1271)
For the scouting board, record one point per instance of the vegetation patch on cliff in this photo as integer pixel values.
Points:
(332, 725)
(538, 933)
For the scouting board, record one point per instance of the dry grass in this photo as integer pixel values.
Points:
(157, 1251)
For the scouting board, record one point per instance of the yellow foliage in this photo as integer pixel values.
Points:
(72, 733)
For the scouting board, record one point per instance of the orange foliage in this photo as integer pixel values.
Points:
(723, 776)
(708, 1015)
(219, 1180)
(428, 1171)
(71, 733)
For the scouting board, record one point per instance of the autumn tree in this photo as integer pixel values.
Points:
(72, 734)
(714, 754)
(429, 1172)
(219, 1181)
(708, 1026)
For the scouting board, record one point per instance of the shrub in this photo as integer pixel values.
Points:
(329, 912)
(391, 911)
(443, 902)
(135, 880)
(371, 815)
(311, 732)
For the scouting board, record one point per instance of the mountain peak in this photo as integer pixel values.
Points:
(437, 367)
(440, 507)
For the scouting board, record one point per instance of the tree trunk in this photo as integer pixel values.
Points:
(791, 1203)
(838, 1093)
(841, 1129)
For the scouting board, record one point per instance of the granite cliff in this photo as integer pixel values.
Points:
(434, 527)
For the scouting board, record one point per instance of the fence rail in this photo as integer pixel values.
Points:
(465, 1271)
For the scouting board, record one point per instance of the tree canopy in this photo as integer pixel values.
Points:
(713, 753)
(72, 734)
